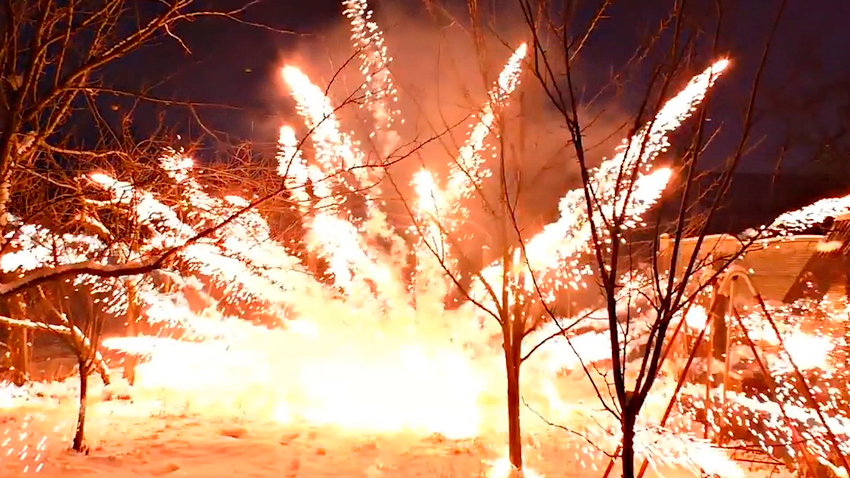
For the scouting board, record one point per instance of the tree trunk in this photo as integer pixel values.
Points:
(514, 430)
(79, 437)
(628, 446)
(131, 360)
(19, 345)
(20, 352)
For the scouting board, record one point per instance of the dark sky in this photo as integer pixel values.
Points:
(237, 64)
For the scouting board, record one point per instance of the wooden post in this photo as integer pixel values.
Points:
(726, 363)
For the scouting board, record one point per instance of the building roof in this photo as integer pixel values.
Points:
(775, 264)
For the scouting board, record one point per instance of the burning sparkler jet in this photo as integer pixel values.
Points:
(379, 89)
(562, 241)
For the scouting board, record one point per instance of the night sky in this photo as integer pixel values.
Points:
(805, 96)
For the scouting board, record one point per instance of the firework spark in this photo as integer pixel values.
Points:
(359, 348)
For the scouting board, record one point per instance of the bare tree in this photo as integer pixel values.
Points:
(55, 58)
(81, 333)
(665, 293)
(508, 290)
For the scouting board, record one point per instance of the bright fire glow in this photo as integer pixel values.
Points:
(352, 336)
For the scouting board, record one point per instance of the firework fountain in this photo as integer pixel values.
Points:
(368, 344)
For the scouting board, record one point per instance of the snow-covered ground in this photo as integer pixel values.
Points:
(151, 435)
(154, 434)
(147, 436)
(208, 421)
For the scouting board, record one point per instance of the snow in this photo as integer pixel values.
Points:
(124, 444)
(136, 432)
(148, 436)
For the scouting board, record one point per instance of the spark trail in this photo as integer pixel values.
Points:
(368, 347)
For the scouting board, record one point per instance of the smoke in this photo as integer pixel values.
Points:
(443, 75)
